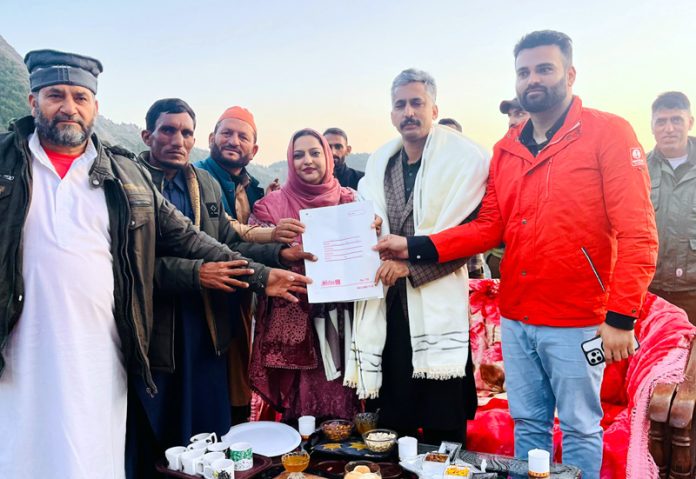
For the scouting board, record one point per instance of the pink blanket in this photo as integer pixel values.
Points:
(664, 333)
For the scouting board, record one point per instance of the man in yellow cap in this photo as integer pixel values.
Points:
(232, 147)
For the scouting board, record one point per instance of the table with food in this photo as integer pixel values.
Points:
(336, 449)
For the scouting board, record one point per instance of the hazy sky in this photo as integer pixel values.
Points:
(317, 64)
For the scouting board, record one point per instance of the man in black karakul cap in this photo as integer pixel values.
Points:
(80, 224)
(514, 111)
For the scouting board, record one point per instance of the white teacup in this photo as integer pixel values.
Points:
(219, 447)
(202, 445)
(215, 470)
(204, 436)
(210, 457)
(192, 461)
(242, 455)
(173, 455)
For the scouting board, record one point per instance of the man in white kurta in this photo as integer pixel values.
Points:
(64, 369)
(63, 389)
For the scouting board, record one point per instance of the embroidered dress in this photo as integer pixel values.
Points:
(287, 369)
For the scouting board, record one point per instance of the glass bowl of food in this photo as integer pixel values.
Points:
(362, 470)
(365, 421)
(337, 429)
(380, 441)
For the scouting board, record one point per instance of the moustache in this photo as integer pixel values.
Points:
(410, 121)
(536, 88)
(61, 117)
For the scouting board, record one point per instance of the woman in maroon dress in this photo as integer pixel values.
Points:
(287, 368)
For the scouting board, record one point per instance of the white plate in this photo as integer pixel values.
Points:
(267, 438)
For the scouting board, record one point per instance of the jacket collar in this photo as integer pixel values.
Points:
(102, 169)
(398, 205)
(690, 149)
(340, 169)
(189, 176)
(526, 136)
(23, 127)
(667, 169)
(157, 174)
(511, 141)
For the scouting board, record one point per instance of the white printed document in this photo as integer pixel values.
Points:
(341, 237)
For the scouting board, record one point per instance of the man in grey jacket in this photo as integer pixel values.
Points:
(673, 194)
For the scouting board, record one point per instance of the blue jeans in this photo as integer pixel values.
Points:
(545, 370)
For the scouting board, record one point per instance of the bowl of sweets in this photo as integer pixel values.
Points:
(380, 441)
(337, 429)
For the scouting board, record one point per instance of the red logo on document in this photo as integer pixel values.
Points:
(637, 157)
(331, 282)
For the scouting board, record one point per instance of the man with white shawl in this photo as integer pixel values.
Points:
(411, 350)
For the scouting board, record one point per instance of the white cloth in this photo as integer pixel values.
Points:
(675, 162)
(450, 184)
(63, 392)
(331, 370)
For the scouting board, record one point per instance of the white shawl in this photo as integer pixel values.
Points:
(449, 186)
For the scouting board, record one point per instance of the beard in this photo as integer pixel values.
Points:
(216, 154)
(553, 96)
(65, 135)
(339, 160)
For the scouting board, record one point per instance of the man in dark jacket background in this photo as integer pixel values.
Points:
(338, 140)
(673, 194)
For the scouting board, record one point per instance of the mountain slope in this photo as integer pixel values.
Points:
(14, 90)
(14, 85)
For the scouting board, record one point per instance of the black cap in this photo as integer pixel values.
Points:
(507, 105)
(51, 67)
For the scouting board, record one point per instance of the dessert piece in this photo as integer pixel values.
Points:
(362, 470)
(454, 471)
(435, 463)
(337, 429)
(436, 457)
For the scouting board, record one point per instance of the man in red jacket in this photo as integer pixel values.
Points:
(569, 195)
